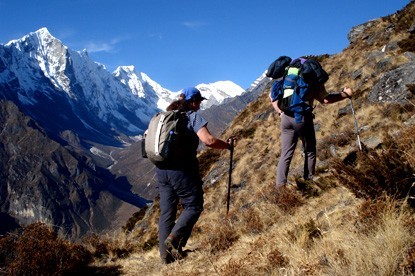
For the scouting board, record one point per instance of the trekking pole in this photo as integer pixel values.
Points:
(230, 175)
(356, 126)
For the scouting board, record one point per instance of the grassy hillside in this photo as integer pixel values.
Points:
(335, 226)
(354, 219)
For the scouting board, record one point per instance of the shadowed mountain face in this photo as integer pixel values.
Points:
(42, 181)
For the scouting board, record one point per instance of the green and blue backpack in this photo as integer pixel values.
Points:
(295, 80)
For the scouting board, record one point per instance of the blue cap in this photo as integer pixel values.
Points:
(192, 93)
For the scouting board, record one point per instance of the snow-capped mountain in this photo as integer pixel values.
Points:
(143, 86)
(65, 90)
(259, 83)
(217, 92)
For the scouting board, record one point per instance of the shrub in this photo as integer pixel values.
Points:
(407, 44)
(207, 158)
(251, 221)
(276, 258)
(406, 142)
(37, 250)
(219, 236)
(305, 234)
(369, 215)
(246, 133)
(234, 267)
(285, 199)
(105, 247)
(372, 173)
(407, 265)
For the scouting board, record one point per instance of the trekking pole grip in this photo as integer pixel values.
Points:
(231, 142)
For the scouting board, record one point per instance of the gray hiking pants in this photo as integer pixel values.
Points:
(174, 185)
(290, 133)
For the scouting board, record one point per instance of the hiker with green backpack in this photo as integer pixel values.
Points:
(177, 132)
(297, 84)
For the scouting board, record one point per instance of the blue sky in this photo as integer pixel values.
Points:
(181, 43)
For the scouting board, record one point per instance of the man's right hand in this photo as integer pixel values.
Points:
(348, 91)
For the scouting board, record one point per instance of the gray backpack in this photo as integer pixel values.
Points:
(164, 142)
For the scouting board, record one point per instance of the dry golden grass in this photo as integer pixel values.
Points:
(405, 139)
(321, 229)
(318, 228)
(375, 253)
(271, 233)
(322, 237)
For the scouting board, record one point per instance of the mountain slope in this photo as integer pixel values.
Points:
(326, 227)
(43, 181)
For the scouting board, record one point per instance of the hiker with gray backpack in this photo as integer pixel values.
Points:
(171, 144)
(297, 84)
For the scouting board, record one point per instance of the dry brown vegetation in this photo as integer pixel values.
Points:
(37, 250)
(355, 218)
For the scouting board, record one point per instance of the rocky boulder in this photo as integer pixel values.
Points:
(395, 85)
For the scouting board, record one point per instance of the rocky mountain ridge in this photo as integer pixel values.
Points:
(38, 72)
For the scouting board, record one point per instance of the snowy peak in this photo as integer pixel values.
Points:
(142, 85)
(228, 88)
(128, 76)
(35, 39)
(139, 82)
(259, 83)
(45, 37)
(217, 92)
(41, 50)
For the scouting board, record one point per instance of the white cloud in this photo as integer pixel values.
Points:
(156, 35)
(108, 47)
(66, 34)
(194, 24)
(94, 47)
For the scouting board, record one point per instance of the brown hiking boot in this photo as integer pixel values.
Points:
(167, 259)
(173, 247)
